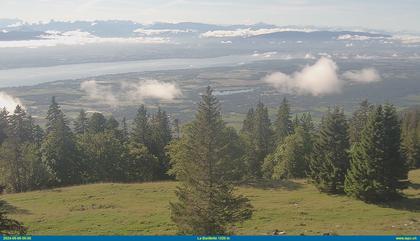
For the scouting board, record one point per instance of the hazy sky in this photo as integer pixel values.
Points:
(379, 14)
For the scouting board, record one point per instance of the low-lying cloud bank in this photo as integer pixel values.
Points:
(152, 32)
(76, 37)
(321, 78)
(404, 39)
(9, 102)
(130, 92)
(248, 32)
(367, 75)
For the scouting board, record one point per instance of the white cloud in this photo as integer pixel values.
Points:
(357, 37)
(321, 78)
(367, 75)
(100, 93)
(309, 56)
(267, 54)
(76, 37)
(248, 32)
(318, 79)
(407, 39)
(151, 32)
(9, 102)
(152, 89)
(131, 92)
(404, 39)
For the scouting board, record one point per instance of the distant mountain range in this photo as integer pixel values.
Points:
(57, 32)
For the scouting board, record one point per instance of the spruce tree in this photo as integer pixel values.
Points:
(4, 124)
(124, 130)
(81, 123)
(206, 203)
(59, 152)
(371, 176)
(141, 131)
(358, 121)
(53, 114)
(283, 124)
(330, 160)
(411, 138)
(263, 138)
(397, 168)
(96, 123)
(161, 136)
(9, 226)
(291, 158)
(248, 124)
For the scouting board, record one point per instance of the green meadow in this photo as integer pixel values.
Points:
(294, 207)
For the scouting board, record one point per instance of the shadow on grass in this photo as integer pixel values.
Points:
(288, 185)
(12, 209)
(405, 203)
(415, 186)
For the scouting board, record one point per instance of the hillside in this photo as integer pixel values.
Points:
(142, 209)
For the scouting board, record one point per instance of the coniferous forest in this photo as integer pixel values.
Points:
(366, 156)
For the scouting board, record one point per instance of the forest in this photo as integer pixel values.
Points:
(366, 156)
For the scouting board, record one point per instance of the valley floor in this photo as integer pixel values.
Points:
(295, 207)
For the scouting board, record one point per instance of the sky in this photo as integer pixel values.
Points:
(392, 15)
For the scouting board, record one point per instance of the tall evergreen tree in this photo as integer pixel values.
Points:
(161, 136)
(96, 123)
(59, 152)
(283, 124)
(140, 164)
(248, 124)
(176, 130)
(53, 115)
(124, 130)
(263, 137)
(102, 157)
(371, 177)
(411, 138)
(397, 167)
(9, 226)
(141, 127)
(81, 123)
(206, 203)
(330, 159)
(359, 120)
(4, 124)
(291, 158)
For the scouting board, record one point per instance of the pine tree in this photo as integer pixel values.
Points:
(411, 138)
(371, 177)
(15, 165)
(81, 123)
(9, 226)
(397, 168)
(176, 130)
(283, 124)
(103, 157)
(124, 130)
(161, 136)
(141, 127)
(4, 124)
(358, 121)
(53, 115)
(248, 124)
(330, 159)
(96, 123)
(291, 158)
(59, 152)
(206, 203)
(140, 164)
(263, 137)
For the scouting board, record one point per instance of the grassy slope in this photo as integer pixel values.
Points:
(142, 209)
